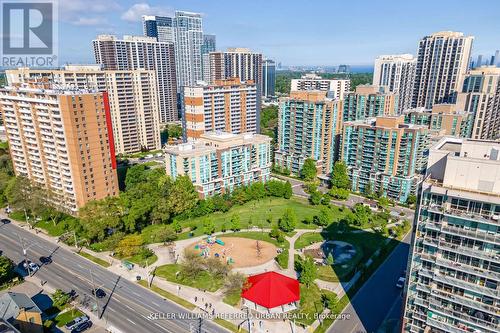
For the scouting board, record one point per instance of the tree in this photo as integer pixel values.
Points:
(176, 226)
(288, 221)
(309, 170)
(165, 234)
(256, 191)
(6, 268)
(287, 191)
(217, 267)
(182, 195)
(192, 265)
(136, 174)
(322, 219)
(208, 226)
(24, 195)
(235, 223)
(235, 283)
(98, 217)
(383, 202)
(368, 190)
(60, 298)
(340, 178)
(316, 197)
(130, 245)
(412, 199)
(308, 271)
(275, 188)
(338, 193)
(329, 300)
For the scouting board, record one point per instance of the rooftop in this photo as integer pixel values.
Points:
(11, 304)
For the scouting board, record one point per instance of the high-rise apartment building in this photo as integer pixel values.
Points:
(443, 119)
(384, 155)
(442, 62)
(188, 40)
(159, 27)
(453, 280)
(61, 139)
(218, 162)
(133, 99)
(268, 78)
(309, 126)
(227, 105)
(209, 45)
(335, 89)
(396, 73)
(480, 96)
(134, 53)
(369, 101)
(236, 62)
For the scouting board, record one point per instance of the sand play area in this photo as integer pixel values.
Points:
(239, 252)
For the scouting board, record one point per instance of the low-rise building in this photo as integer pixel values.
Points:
(61, 139)
(384, 155)
(20, 311)
(218, 162)
(227, 105)
(442, 119)
(309, 126)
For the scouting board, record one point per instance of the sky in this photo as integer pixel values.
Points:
(293, 32)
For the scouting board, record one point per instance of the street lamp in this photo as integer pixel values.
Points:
(25, 252)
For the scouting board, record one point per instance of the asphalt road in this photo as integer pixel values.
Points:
(378, 299)
(126, 305)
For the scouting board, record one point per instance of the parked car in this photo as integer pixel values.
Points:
(33, 267)
(75, 322)
(5, 221)
(401, 282)
(82, 327)
(99, 292)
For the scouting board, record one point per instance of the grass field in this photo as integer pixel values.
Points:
(255, 213)
(137, 259)
(203, 281)
(366, 243)
(170, 296)
(65, 317)
(98, 261)
(310, 303)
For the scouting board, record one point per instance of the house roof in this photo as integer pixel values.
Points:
(5, 327)
(272, 289)
(11, 303)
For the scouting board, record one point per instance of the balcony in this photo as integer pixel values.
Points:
(468, 269)
(471, 252)
(447, 327)
(475, 234)
(485, 218)
(450, 312)
(455, 298)
(467, 285)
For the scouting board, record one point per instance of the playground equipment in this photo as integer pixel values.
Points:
(218, 241)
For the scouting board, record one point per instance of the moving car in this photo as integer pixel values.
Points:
(82, 327)
(99, 292)
(45, 260)
(401, 282)
(75, 322)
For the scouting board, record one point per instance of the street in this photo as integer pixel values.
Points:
(126, 305)
(378, 299)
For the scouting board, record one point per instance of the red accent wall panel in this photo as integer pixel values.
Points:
(110, 129)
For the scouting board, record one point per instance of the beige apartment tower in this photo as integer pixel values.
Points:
(481, 97)
(442, 62)
(61, 139)
(133, 100)
(227, 105)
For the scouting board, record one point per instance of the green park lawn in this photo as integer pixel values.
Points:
(203, 281)
(310, 303)
(65, 317)
(365, 242)
(255, 213)
(141, 261)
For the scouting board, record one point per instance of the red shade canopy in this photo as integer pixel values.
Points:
(272, 289)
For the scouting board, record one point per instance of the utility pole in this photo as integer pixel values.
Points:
(94, 292)
(25, 253)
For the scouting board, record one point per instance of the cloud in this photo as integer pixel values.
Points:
(134, 13)
(71, 11)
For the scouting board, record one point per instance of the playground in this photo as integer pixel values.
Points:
(236, 251)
